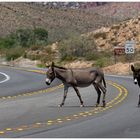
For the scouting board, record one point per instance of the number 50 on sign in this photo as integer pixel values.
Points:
(129, 47)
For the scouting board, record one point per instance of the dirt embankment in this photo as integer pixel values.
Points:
(116, 69)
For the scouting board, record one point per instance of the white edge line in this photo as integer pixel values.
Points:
(130, 77)
(7, 77)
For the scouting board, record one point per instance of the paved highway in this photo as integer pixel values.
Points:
(28, 108)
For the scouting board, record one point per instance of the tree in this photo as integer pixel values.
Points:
(40, 36)
(24, 37)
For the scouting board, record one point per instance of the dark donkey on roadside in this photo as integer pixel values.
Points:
(136, 76)
(78, 78)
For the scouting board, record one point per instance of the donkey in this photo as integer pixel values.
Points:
(78, 78)
(136, 76)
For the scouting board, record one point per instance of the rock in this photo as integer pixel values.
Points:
(119, 69)
(24, 62)
(119, 33)
(79, 64)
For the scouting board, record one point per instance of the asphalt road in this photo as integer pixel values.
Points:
(28, 108)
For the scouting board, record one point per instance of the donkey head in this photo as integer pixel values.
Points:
(50, 74)
(136, 74)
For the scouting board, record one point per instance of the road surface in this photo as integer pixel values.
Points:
(29, 108)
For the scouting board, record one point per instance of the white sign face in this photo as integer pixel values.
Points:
(129, 47)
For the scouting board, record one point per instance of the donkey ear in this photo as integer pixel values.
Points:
(52, 64)
(47, 65)
(132, 68)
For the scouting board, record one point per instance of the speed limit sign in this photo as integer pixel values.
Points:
(129, 47)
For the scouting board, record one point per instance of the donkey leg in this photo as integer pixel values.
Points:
(139, 96)
(104, 93)
(98, 82)
(65, 95)
(78, 94)
(104, 103)
(139, 101)
(99, 94)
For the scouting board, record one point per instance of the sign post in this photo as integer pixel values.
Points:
(118, 51)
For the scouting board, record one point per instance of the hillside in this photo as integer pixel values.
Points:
(102, 27)
(74, 5)
(119, 10)
(60, 22)
(117, 35)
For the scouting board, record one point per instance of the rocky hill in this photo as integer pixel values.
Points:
(117, 35)
(62, 22)
(108, 25)
(106, 38)
(74, 5)
(121, 10)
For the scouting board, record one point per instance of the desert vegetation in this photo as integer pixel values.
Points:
(15, 44)
(60, 22)
(39, 32)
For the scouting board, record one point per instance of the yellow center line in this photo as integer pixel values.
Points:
(32, 93)
(121, 96)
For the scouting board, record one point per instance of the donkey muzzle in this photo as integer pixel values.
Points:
(135, 81)
(48, 81)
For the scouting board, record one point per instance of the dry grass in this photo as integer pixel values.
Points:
(61, 23)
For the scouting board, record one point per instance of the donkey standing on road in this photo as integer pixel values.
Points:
(78, 78)
(136, 76)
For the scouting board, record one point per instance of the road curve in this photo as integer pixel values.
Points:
(35, 114)
(3, 77)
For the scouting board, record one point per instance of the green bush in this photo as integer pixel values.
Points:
(13, 44)
(137, 65)
(42, 65)
(29, 37)
(76, 47)
(92, 56)
(41, 34)
(103, 62)
(45, 56)
(14, 53)
(7, 43)
(25, 37)
(100, 63)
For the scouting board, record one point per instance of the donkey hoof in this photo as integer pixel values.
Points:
(97, 105)
(60, 105)
(104, 104)
(138, 105)
(81, 105)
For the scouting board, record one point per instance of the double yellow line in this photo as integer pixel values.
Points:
(34, 92)
(43, 91)
(122, 94)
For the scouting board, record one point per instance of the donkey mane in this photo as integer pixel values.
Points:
(60, 67)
